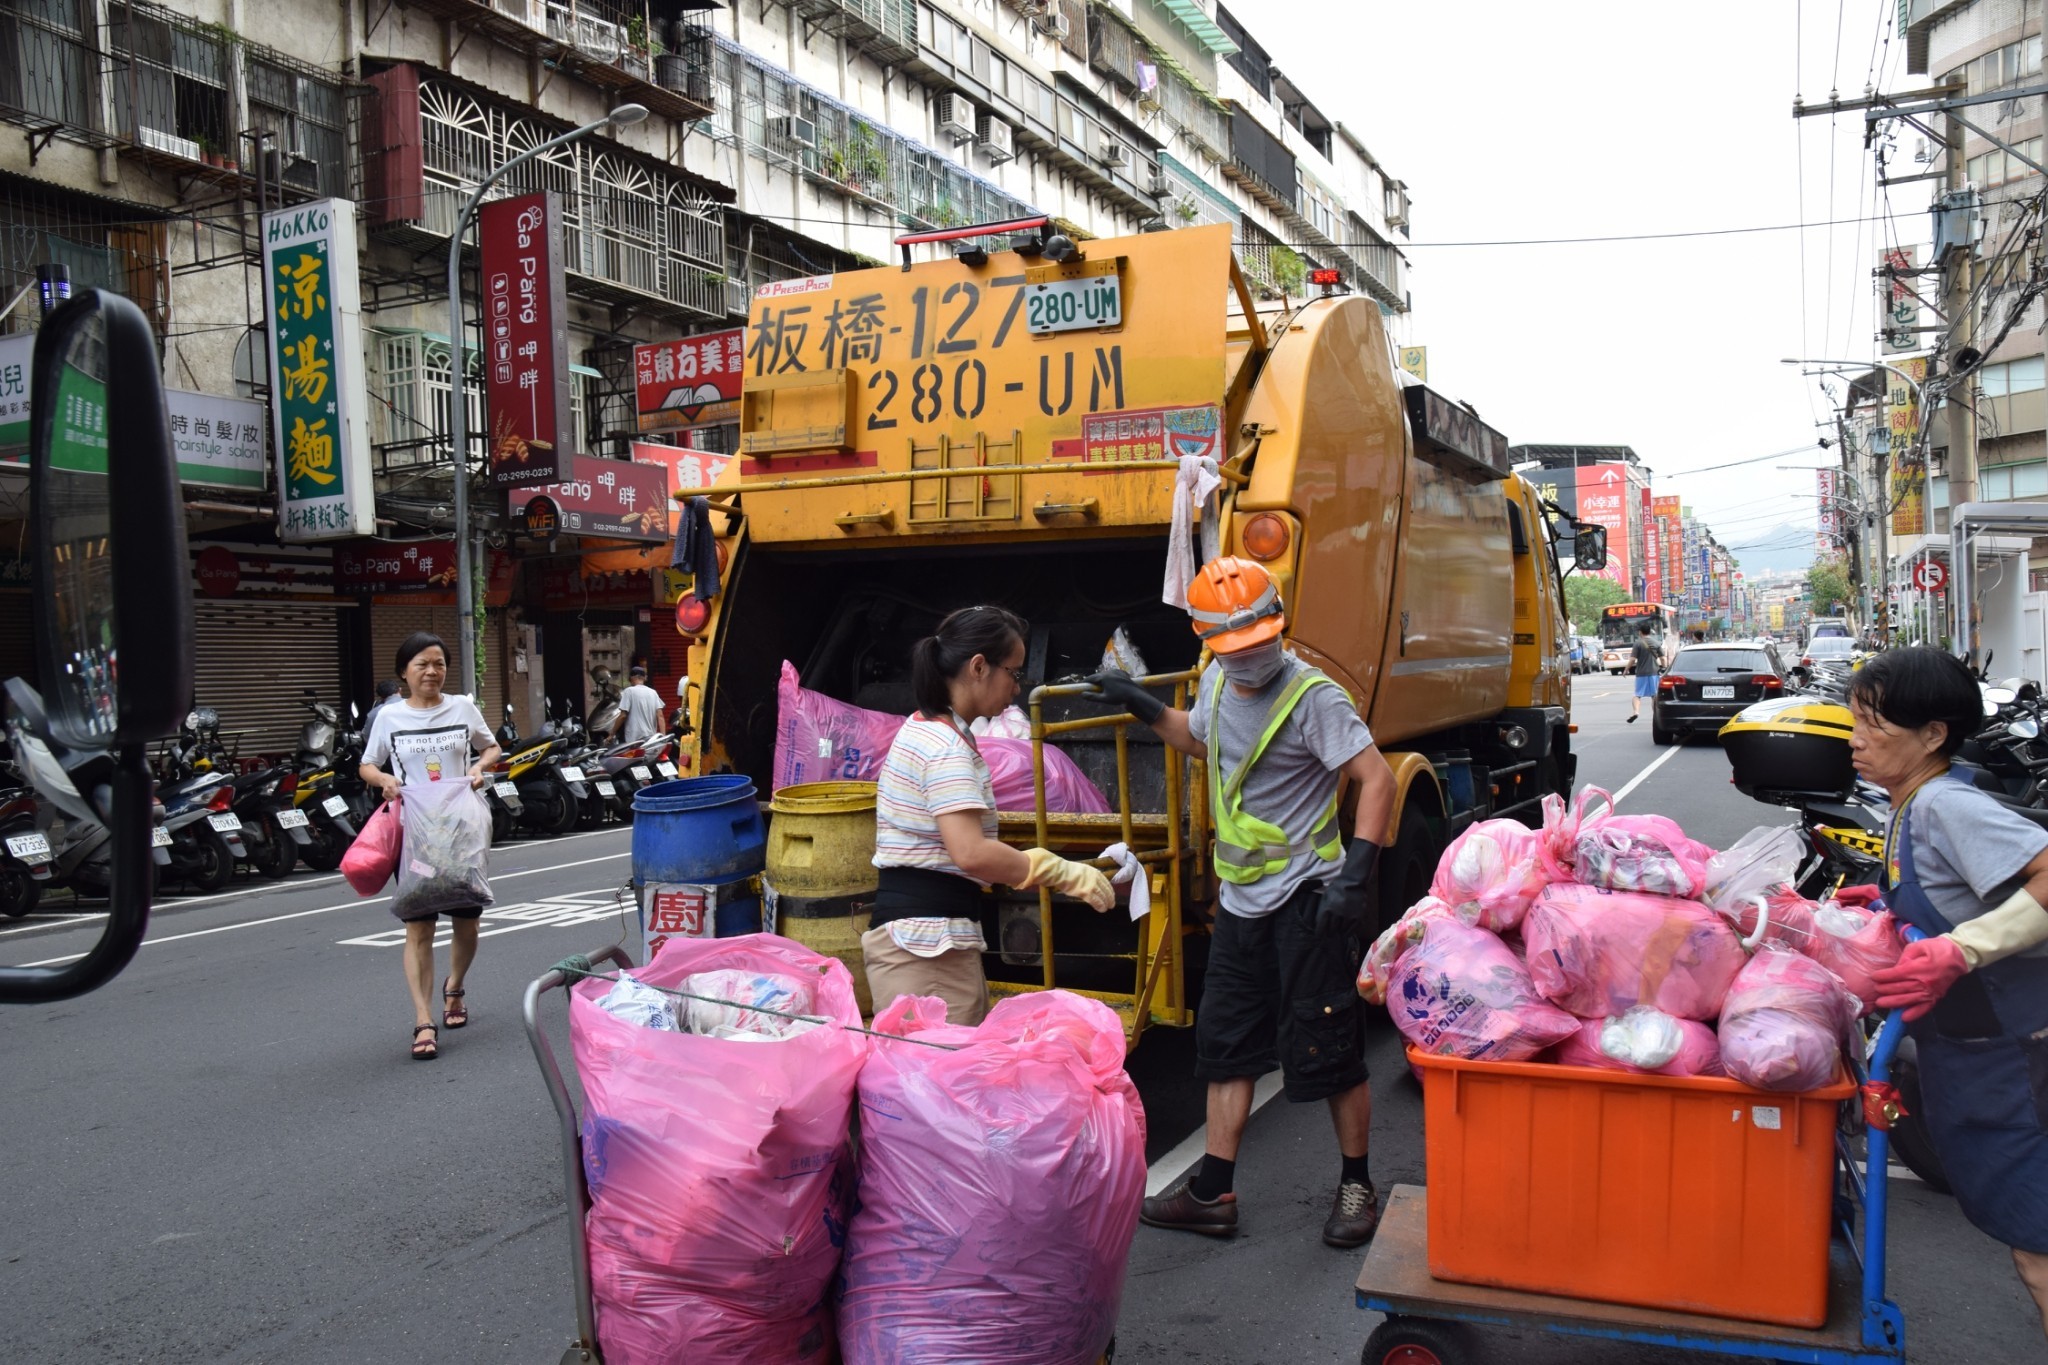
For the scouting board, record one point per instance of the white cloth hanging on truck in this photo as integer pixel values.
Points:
(1194, 485)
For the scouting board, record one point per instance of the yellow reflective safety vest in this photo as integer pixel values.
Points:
(1248, 848)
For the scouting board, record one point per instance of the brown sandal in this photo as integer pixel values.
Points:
(424, 1049)
(456, 1015)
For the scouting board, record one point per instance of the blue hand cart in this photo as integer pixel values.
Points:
(1430, 1321)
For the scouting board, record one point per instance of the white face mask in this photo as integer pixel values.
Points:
(1254, 667)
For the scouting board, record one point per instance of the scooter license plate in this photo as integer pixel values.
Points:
(225, 824)
(292, 819)
(607, 788)
(509, 791)
(159, 837)
(572, 774)
(667, 769)
(642, 772)
(30, 848)
(335, 805)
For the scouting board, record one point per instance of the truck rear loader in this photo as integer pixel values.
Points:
(1003, 427)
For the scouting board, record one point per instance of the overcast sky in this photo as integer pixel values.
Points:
(1512, 120)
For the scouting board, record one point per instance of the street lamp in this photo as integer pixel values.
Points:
(1919, 392)
(625, 116)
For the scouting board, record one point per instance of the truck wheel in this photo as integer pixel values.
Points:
(1416, 1341)
(1406, 869)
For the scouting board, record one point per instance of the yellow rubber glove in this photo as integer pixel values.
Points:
(1078, 880)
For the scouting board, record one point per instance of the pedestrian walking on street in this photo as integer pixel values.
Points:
(430, 736)
(935, 823)
(1963, 868)
(1279, 738)
(639, 709)
(1649, 666)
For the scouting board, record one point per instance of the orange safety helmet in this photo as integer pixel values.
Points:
(1235, 605)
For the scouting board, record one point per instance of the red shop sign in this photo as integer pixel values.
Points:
(219, 571)
(419, 567)
(526, 340)
(691, 382)
(617, 498)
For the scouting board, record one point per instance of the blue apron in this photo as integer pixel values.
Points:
(1983, 1072)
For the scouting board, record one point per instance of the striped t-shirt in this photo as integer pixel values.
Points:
(933, 769)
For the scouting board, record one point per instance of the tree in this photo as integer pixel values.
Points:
(1827, 583)
(1584, 597)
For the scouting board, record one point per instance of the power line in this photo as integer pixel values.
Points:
(1755, 459)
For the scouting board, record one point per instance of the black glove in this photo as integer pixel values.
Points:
(1350, 897)
(1118, 686)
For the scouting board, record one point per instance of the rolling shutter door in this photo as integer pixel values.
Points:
(390, 623)
(253, 662)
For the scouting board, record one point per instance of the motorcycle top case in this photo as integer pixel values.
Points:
(1791, 749)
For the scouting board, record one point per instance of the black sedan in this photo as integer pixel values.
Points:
(1708, 684)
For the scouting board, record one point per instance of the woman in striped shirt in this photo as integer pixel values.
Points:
(935, 823)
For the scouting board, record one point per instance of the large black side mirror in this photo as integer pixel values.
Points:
(111, 588)
(1589, 547)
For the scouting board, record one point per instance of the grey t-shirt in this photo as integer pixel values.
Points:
(1293, 781)
(1968, 850)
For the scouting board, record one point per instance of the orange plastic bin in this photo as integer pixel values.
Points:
(1694, 1194)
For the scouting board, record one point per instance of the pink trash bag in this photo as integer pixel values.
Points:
(1562, 824)
(1785, 1022)
(1461, 992)
(1853, 942)
(1644, 1041)
(1067, 789)
(1641, 853)
(1598, 953)
(373, 855)
(1493, 870)
(999, 1186)
(1398, 937)
(719, 1170)
(1782, 917)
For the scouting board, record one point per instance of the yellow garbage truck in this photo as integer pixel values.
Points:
(1016, 427)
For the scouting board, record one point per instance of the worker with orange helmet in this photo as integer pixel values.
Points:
(1280, 738)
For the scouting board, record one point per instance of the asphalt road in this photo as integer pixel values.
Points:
(225, 1155)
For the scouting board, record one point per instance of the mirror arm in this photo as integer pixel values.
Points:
(128, 906)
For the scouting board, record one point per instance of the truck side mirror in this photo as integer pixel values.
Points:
(1589, 547)
(112, 585)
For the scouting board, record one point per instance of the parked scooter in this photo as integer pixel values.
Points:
(204, 831)
(328, 789)
(546, 795)
(271, 828)
(25, 855)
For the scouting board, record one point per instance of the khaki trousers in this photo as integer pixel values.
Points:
(954, 976)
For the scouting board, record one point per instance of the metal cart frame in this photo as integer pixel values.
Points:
(583, 1351)
(1427, 1318)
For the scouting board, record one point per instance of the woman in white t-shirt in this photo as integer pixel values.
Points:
(429, 737)
(935, 823)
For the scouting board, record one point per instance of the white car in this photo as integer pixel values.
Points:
(1618, 659)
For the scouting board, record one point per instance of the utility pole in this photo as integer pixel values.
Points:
(1957, 280)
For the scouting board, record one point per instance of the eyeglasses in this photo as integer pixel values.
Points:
(1016, 674)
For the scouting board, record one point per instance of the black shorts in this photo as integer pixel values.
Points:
(1277, 993)
(460, 912)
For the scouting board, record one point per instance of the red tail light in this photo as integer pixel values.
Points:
(693, 613)
(1671, 683)
(288, 784)
(223, 799)
(1806, 662)
(1769, 682)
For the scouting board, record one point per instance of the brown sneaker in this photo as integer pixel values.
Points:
(1179, 1209)
(1355, 1216)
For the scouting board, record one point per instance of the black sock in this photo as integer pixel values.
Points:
(1212, 1178)
(1357, 1168)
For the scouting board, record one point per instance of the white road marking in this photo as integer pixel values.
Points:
(329, 909)
(1168, 1168)
(574, 907)
(52, 922)
(1639, 778)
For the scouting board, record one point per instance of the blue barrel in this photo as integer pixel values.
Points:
(703, 831)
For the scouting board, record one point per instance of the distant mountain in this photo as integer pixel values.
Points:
(1786, 548)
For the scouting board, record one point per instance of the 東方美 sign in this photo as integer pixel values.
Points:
(691, 382)
(526, 340)
(319, 412)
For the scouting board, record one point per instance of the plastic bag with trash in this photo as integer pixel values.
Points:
(1600, 953)
(1563, 823)
(1461, 992)
(756, 1004)
(1121, 654)
(720, 1171)
(1491, 872)
(1011, 724)
(999, 1186)
(639, 1004)
(441, 865)
(1397, 938)
(1853, 942)
(1641, 853)
(1643, 1040)
(1758, 864)
(1785, 1021)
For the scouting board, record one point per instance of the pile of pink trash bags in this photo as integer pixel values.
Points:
(1614, 941)
(988, 1213)
(818, 739)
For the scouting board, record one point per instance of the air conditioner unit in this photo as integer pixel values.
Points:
(1159, 185)
(956, 117)
(998, 139)
(791, 131)
(1114, 154)
(1054, 24)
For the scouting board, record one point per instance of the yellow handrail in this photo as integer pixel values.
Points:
(878, 476)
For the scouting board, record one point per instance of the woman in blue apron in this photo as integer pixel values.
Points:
(1972, 875)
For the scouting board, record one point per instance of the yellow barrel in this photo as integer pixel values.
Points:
(821, 851)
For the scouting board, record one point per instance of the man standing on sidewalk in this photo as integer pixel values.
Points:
(1279, 738)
